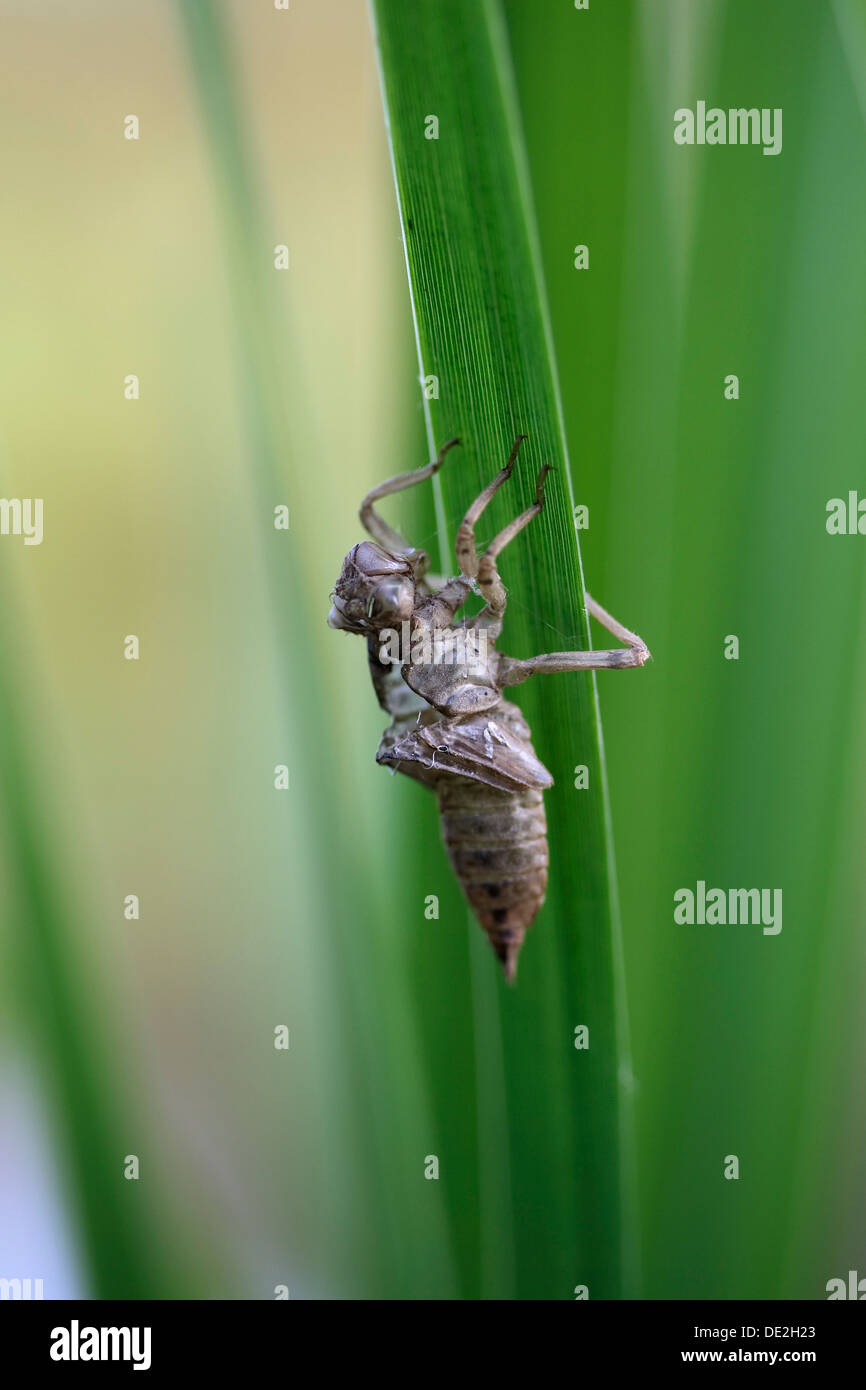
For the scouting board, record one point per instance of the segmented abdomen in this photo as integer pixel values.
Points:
(497, 844)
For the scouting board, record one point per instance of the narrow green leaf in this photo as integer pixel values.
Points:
(482, 332)
(122, 1251)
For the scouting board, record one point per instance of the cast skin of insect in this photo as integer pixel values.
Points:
(451, 727)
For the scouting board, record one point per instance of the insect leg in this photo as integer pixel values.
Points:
(374, 524)
(467, 559)
(491, 586)
(635, 653)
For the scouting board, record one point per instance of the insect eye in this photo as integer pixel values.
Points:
(387, 599)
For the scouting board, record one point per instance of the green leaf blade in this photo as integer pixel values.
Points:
(481, 325)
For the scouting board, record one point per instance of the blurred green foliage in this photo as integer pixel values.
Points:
(306, 908)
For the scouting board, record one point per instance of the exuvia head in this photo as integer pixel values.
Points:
(375, 590)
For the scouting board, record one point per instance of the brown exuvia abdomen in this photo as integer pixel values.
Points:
(497, 844)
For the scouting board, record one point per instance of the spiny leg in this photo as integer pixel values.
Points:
(376, 525)
(492, 589)
(467, 559)
(618, 630)
(635, 653)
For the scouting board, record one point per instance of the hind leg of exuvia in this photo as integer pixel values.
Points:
(634, 653)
